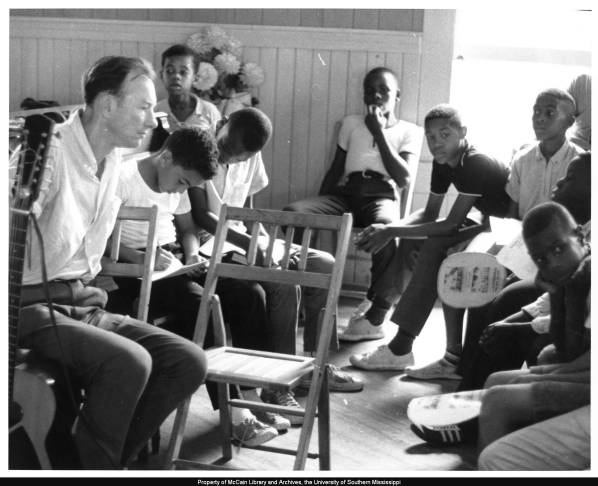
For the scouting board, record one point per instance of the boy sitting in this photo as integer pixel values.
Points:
(241, 174)
(536, 168)
(187, 159)
(519, 398)
(479, 180)
(374, 157)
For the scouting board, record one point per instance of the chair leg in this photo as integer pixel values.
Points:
(176, 437)
(225, 421)
(308, 420)
(324, 425)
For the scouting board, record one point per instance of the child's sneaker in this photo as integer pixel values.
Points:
(273, 420)
(360, 329)
(448, 434)
(284, 399)
(251, 432)
(338, 381)
(382, 358)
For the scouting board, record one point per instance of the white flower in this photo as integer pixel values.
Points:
(207, 76)
(252, 75)
(233, 46)
(214, 36)
(227, 63)
(199, 44)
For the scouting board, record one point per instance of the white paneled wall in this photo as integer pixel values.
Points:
(313, 78)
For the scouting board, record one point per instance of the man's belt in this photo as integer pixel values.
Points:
(366, 174)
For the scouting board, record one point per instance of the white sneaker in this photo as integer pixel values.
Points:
(360, 329)
(382, 358)
(440, 369)
(251, 432)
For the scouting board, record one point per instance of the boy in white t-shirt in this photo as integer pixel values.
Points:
(374, 158)
(187, 159)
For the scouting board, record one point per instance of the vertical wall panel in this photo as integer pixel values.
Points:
(62, 71)
(300, 131)
(249, 16)
(45, 74)
(282, 140)
(366, 19)
(357, 70)
(15, 75)
(78, 63)
(409, 78)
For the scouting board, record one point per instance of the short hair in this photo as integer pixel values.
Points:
(382, 70)
(543, 215)
(179, 50)
(109, 73)
(560, 95)
(251, 127)
(194, 149)
(445, 112)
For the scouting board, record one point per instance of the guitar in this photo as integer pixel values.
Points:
(31, 400)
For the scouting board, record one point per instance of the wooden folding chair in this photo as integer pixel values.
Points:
(113, 268)
(258, 369)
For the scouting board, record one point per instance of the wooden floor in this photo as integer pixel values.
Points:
(369, 429)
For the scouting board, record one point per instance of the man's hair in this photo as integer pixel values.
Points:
(251, 127)
(382, 70)
(560, 95)
(194, 149)
(445, 112)
(109, 73)
(179, 50)
(545, 214)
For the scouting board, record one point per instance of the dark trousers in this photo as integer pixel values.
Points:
(366, 210)
(476, 364)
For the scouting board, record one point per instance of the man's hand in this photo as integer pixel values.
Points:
(373, 238)
(164, 259)
(192, 259)
(374, 119)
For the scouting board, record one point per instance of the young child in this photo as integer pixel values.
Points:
(374, 157)
(179, 72)
(517, 333)
(536, 168)
(242, 174)
(187, 159)
(521, 397)
(479, 180)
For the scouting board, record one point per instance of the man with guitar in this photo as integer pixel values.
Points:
(134, 374)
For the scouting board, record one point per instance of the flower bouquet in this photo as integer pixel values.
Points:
(223, 77)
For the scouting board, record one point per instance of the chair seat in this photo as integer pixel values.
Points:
(258, 369)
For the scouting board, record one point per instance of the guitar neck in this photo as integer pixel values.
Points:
(18, 235)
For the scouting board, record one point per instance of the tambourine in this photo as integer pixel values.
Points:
(470, 279)
(446, 419)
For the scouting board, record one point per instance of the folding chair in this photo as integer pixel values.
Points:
(258, 369)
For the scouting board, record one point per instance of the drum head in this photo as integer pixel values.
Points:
(445, 409)
(470, 279)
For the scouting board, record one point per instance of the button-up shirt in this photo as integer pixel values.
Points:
(76, 211)
(533, 177)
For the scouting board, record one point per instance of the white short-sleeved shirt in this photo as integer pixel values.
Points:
(532, 178)
(233, 184)
(355, 138)
(133, 191)
(206, 115)
(76, 211)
